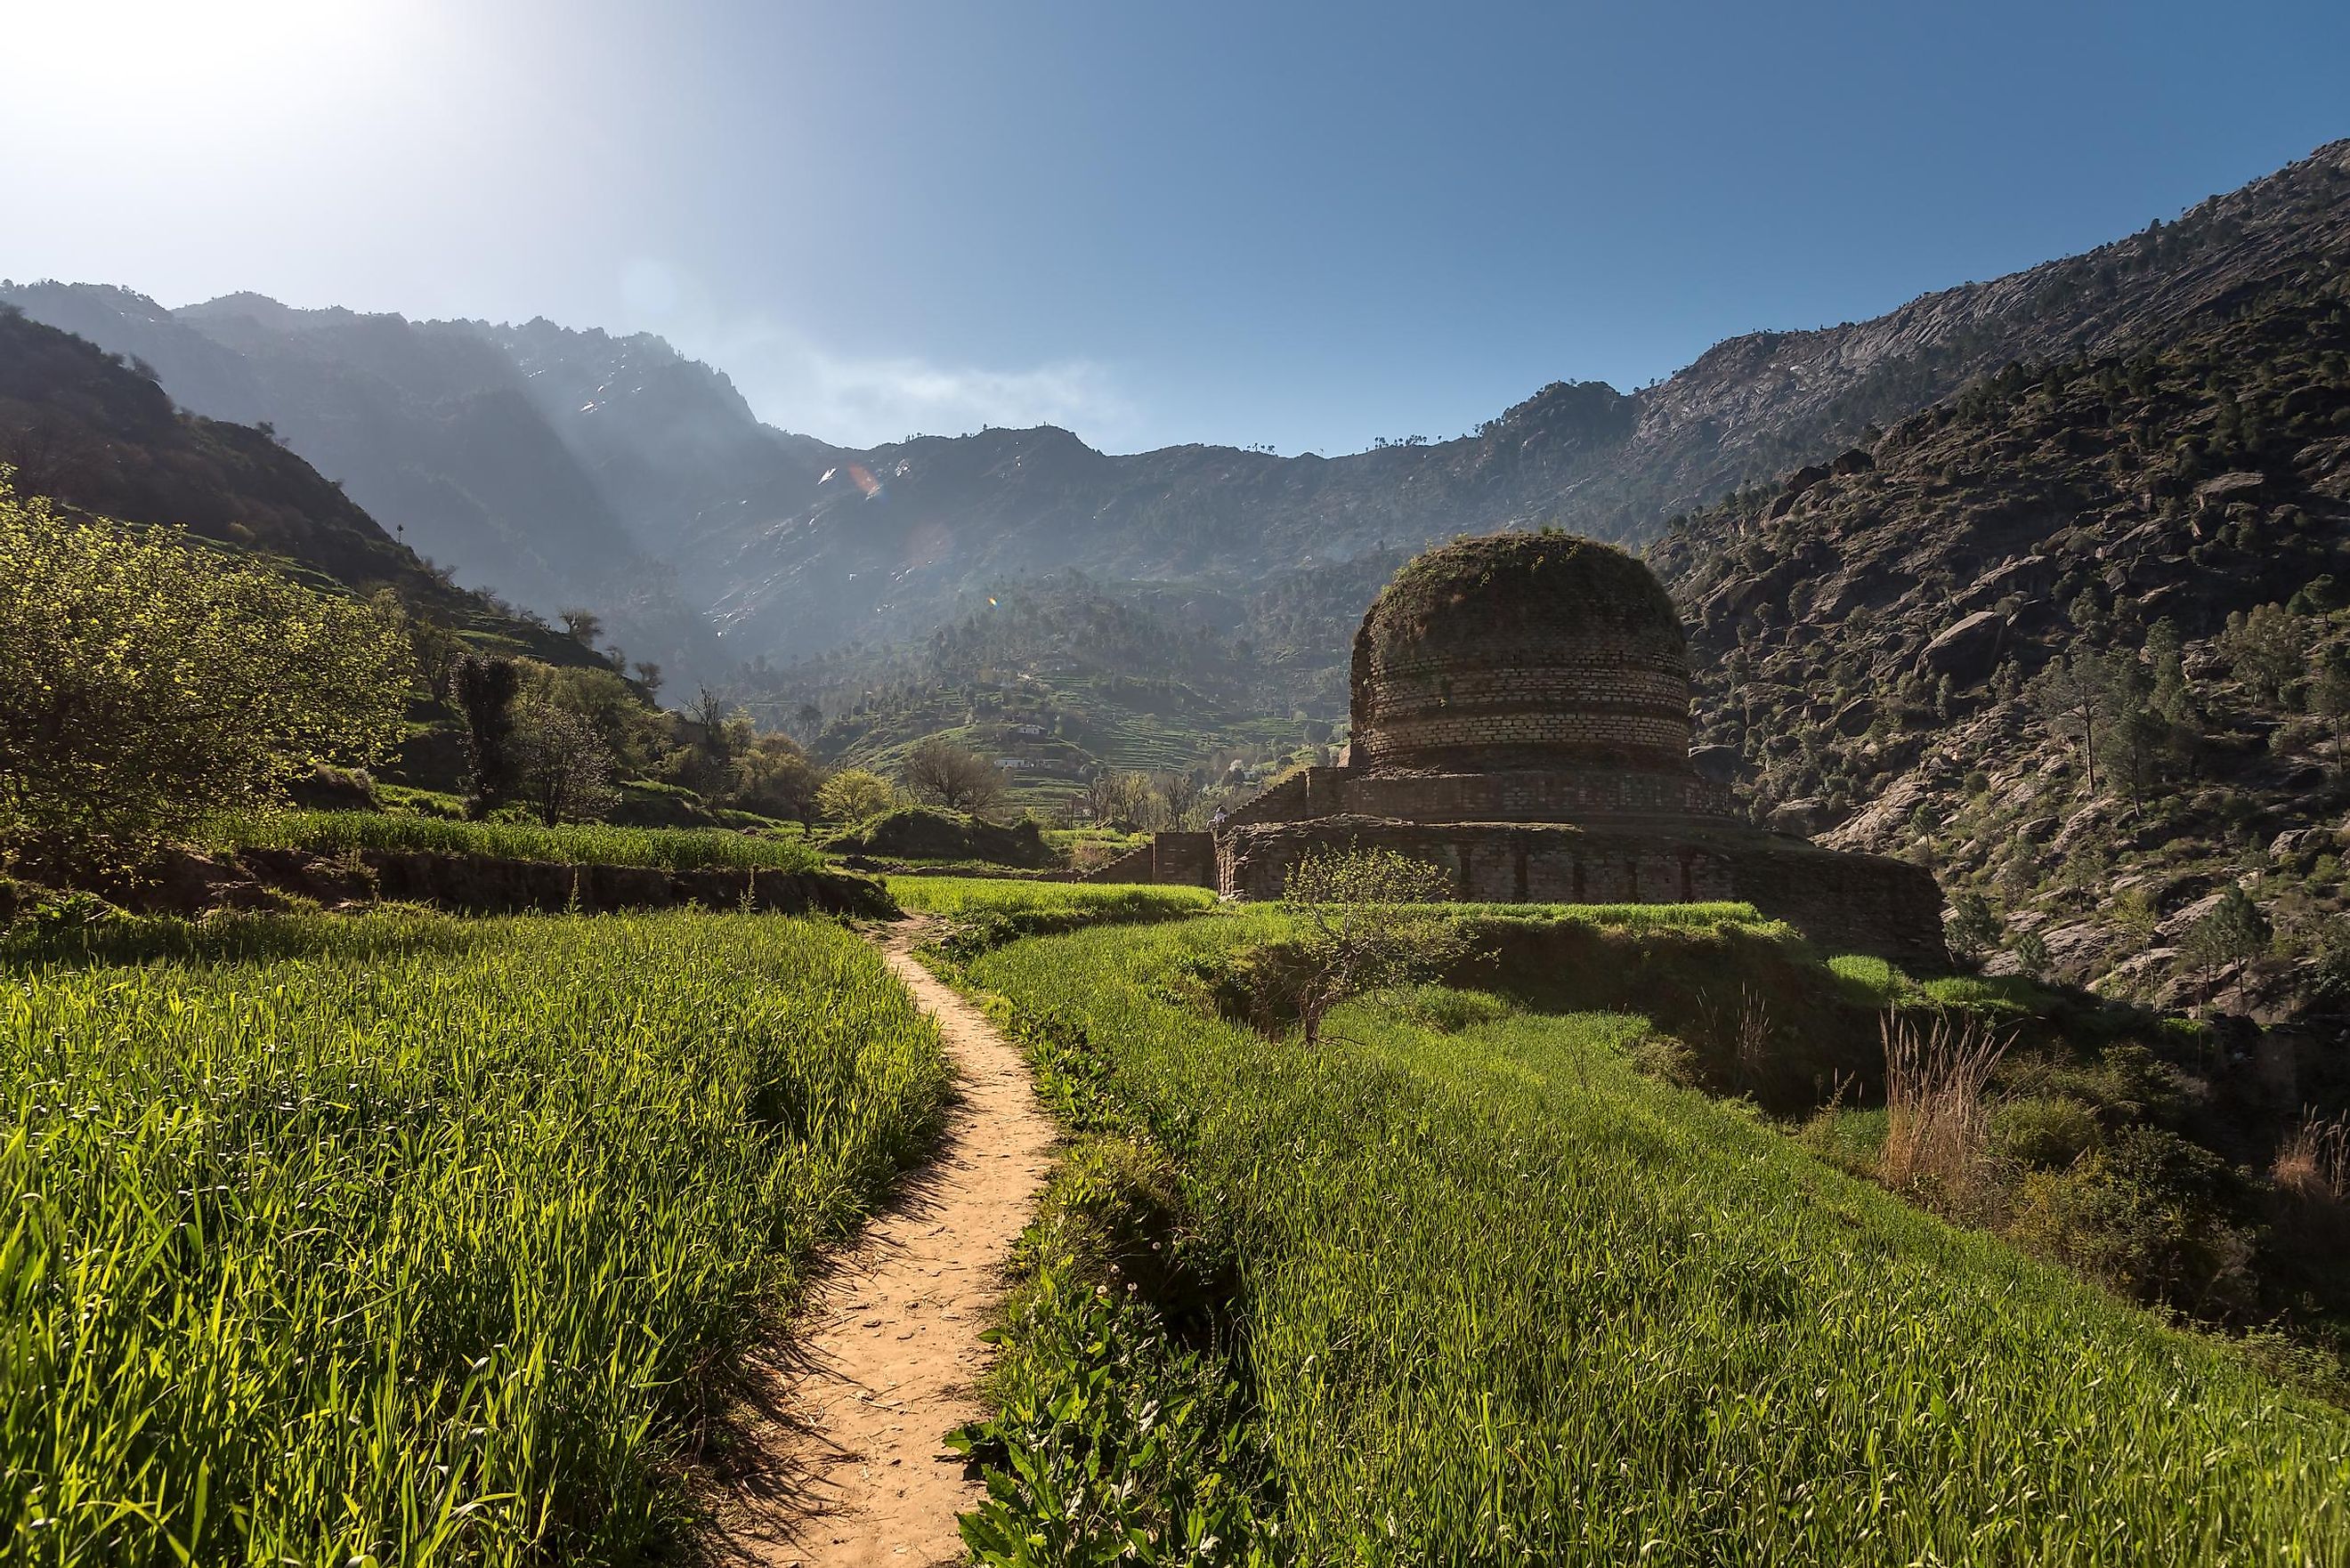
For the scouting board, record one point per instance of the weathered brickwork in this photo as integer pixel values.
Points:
(1845, 903)
(1521, 719)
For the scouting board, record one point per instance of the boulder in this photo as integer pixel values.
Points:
(1969, 650)
(1804, 478)
(1853, 460)
(2222, 489)
(1856, 716)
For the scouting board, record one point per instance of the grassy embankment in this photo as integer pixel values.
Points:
(669, 848)
(1488, 1295)
(398, 1239)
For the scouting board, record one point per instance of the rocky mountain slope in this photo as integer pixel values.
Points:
(432, 427)
(78, 424)
(2079, 638)
(540, 458)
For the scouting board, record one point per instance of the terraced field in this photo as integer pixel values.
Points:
(398, 1239)
(1485, 1294)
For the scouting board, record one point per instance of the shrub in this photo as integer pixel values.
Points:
(2043, 1130)
(146, 683)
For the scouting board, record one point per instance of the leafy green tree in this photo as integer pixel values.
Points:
(147, 683)
(482, 687)
(1973, 925)
(775, 778)
(2231, 931)
(2266, 651)
(1366, 926)
(852, 794)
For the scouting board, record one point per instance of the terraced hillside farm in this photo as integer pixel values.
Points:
(398, 1239)
(1463, 1286)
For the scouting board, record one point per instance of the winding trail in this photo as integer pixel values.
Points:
(888, 1356)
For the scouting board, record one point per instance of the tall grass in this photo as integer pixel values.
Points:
(407, 1239)
(1937, 1106)
(670, 849)
(1502, 1300)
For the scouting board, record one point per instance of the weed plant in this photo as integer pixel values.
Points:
(669, 848)
(1503, 1300)
(400, 1238)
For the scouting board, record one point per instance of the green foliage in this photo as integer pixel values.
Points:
(671, 848)
(928, 832)
(852, 794)
(1368, 923)
(401, 1238)
(1505, 1300)
(993, 895)
(145, 683)
(2233, 930)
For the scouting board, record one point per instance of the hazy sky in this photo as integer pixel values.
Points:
(1301, 225)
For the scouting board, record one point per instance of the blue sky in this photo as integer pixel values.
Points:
(1307, 226)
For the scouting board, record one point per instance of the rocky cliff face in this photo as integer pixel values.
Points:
(2078, 638)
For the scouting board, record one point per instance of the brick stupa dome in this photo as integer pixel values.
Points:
(1521, 651)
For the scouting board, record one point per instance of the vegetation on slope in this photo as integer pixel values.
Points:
(1491, 1295)
(398, 1239)
(670, 849)
(2079, 640)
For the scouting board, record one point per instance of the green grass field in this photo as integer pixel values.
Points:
(1502, 1300)
(398, 1239)
(966, 895)
(671, 848)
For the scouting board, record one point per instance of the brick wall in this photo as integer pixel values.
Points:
(1844, 902)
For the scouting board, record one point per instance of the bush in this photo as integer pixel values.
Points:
(924, 833)
(2045, 1131)
(146, 683)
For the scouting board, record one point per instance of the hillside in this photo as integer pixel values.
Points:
(2077, 639)
(1055, 679)
(101, 436)
(558, 462)
(431, 426)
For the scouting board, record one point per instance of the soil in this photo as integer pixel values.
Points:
(887, 1356)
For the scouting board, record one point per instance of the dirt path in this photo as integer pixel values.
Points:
(889, 1352)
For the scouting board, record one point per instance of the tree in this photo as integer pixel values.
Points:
(956, 777)
(585, 626)
(852, 794)
(1179, 793)
(2075, 698)
(1366, 926)
(1116, 797)
(2132, 742)
(146, 683)
(2230, 931)
(2329, 698)
(649, 676)
(482, 689)
(2266, 651)
(1973, 924)
(775, 778)
(810, 719)
(565, 767)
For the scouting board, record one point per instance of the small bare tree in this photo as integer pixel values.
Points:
(1367, 926)
(566, 767)
(956, 777)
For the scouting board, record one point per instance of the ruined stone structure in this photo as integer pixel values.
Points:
(1521, 718)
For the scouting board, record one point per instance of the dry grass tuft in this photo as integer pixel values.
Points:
(1936, 1119)
(2313, 1163)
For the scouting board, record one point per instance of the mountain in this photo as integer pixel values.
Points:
(884, 541)
(567, 465)
(431, 426)
(80, 425)
(2078, 638)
